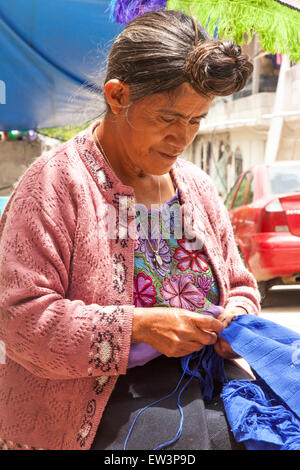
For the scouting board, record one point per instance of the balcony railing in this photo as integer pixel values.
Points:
(267, 83)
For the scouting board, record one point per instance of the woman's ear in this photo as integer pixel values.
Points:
(117, 95)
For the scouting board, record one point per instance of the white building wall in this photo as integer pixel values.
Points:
(251, 144)
(241, 127)
(289, 148)
(246, 144)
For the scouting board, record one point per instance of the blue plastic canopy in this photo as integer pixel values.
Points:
(49, 49)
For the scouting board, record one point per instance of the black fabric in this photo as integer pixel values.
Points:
(204, 428)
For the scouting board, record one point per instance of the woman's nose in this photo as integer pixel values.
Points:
(180, 137)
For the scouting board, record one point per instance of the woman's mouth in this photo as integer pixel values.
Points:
(168, 156)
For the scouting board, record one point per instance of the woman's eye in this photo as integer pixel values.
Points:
(166, 119)
(172, 120)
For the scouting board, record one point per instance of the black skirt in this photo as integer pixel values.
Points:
(204, 427)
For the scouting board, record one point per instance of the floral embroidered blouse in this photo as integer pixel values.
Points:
(176, 276)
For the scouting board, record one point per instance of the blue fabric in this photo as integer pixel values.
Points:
(48, 50)
(210, 368)
(265, 413)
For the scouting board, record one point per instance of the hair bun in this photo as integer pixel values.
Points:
(217, 67)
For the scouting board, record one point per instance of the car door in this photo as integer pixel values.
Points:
(231, 194)
(248, 215)
(239, 211)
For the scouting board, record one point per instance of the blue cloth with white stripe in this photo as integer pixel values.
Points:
(265, 413)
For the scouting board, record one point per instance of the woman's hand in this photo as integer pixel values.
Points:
(221, 346)
(229, 314)
(224, 349)
(174, 332)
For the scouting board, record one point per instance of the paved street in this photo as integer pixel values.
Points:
(284, 306)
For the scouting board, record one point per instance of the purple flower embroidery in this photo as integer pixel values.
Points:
(205, 283)
(180, 291)
(160, 245)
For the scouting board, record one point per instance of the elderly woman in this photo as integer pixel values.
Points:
(93, 301)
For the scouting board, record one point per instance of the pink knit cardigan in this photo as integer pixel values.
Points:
(66, 291)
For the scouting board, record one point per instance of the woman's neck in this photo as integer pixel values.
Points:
(145, 186)
(112, 145)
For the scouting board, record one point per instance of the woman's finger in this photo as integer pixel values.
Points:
(208, 323)
(224, 349)
(207, 337)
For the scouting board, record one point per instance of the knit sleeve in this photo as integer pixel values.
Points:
(240, 284)
(243, 291)
(45, 332)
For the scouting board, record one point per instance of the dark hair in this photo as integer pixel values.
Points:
(157, 52)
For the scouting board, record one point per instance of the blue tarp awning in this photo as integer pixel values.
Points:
(49, 49)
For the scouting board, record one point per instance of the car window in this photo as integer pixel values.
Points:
(284, 179)
(240, 195)
(250, 194)
(230, 195)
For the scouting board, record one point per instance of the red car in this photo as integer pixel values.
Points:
(264, 208)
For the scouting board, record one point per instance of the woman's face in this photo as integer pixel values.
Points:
(154, 131)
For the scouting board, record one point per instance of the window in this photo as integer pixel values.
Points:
(238, 163)
(284, 179)
(208, 158)
(250, 194)
(230, 195)
(240, 195)
(202, 157)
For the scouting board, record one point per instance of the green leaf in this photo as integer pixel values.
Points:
(64, 133)
(277, 25)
